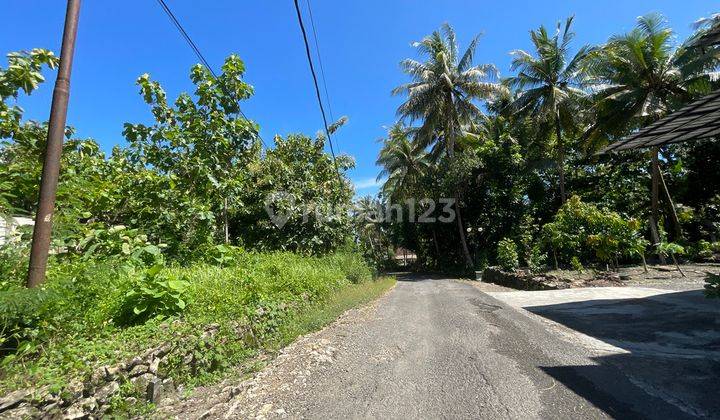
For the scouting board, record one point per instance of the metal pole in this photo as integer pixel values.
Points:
(51, 168)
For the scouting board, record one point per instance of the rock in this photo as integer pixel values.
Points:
(73, 390)
(154, 366)
(13, 399)
(107, 391)
(231, 391)
(142, 382)
(134, 362)
(138, 370)
(22, 412)
(73, 413)
(88, 404)
(158, 389)
(154, 390)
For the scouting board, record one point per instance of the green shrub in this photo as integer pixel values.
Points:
(13, 265)
(128, 245)
(94, 312)
(584, 231)
(354, 266)
(712, 285)
(154, 295)
(701, 250)
(507, 255)
(536, 259)
(576, 264)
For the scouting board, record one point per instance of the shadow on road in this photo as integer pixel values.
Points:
(673, 353)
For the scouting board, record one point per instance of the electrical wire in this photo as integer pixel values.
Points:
(204, 62)
(319, 56)
(317, 89)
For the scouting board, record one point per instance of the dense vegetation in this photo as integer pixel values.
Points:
(519, 154)
(169, 235)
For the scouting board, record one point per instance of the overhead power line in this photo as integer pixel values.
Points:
(204, 62)
(317, 88)
(319, 56)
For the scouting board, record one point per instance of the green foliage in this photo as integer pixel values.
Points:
(94, 312)
(153, 295)
(712, 285)
(507, 255)
(129, 245)
(299, 180)
(576, 264)
(669, 249)
(584, 231)
(701, 250)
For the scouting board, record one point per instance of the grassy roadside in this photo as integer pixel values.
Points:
(254, 305)
(322, 314)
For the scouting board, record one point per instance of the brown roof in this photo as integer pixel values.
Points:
(698, 120)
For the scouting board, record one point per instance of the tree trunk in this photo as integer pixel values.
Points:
(673, 213)
(677, 265)
(461, 230)
(642, 255)
(560, 157)
(450, 138)
(654, 200)
(655, 214)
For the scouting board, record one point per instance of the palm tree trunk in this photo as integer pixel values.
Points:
(655, 190)
(673, 213)
(461, 230)
(655, 216)
(450, 138)
(560, 157)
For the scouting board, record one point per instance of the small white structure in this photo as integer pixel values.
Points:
(11, 228)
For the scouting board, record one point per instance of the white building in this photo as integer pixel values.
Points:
(11, 228)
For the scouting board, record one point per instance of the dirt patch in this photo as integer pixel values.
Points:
(286, 375)
(657, 276)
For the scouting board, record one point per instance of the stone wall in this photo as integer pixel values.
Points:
(523, 280)
(92, 398)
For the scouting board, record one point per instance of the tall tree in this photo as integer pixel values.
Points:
(441, 96)
(551, 84)
(639, 77)
(403, 162)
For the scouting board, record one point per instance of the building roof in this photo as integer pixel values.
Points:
(712, 37)
(696, 121)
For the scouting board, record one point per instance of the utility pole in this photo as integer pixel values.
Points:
(42, 231)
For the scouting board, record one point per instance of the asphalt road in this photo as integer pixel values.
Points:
(444, 349)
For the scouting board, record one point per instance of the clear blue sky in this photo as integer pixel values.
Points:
(361, 44)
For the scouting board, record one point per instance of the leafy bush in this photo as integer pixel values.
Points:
(536, 259)
(507, 255)
(130, 245)
(153, 295)
(584, 231)
(669, 249)
(576, 264)
(354, 266)
(13, 265)
(701, 250)
(712, 285)
(94, 312)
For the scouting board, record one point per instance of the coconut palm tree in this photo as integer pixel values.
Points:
(551, 85)
(639, 77)
(441, 96)
(404, 163)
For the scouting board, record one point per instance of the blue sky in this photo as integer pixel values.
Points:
(361, 42)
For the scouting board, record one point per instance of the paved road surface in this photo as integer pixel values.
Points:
(444, 349)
